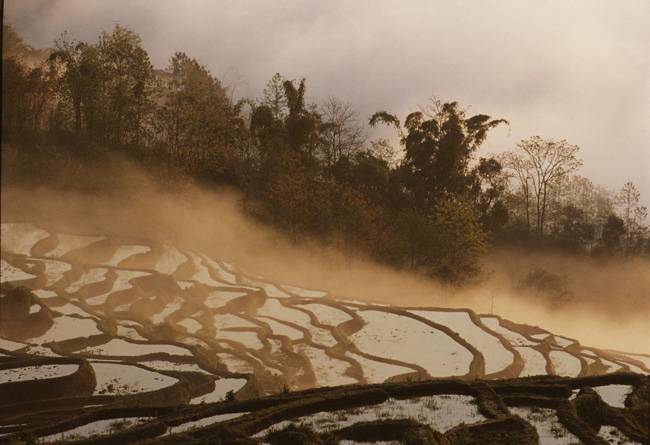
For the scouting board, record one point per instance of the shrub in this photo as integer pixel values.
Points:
(16, 301)
(553, 288)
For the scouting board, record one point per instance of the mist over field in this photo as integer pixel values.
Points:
(309, 193)
(192, 217)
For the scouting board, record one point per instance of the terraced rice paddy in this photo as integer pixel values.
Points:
(614, 395)
(441, 412)
(549, 428)
(95, 429)
(112, 319)
(11, 273)
(120, 378)
(35, 372)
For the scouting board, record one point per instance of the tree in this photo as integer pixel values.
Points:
(40, 94)
(518, 168)
(80, 86)
(26, 83)
(13, 45)
(488, 186)
(574, 230)
(537, 164)
(381, 148)
(577, 207)
(106, 90)
(416, 235)
(130, 84)
(634, 217)
(458, 241)
(369, 174)
(341, 133)
(275, 98)
(612, 232)
(268, 133)
(15, 111)
(553, 288)
(197, 125)
(439, 141)
(300, 123)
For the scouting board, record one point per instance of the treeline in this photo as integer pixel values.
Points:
(312, 170)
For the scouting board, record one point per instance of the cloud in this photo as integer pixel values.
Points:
(566, 70)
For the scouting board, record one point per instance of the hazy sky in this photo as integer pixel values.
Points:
(574, 70)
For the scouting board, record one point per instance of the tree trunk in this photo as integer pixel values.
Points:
(543, 216)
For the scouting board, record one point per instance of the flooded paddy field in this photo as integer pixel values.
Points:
(153, 343)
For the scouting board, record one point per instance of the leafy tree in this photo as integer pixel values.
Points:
(458, 241)
(381, 148)
(15, 110)
(553, 288)
(269, 131)
(40, 94)
(370, 175)
(290, 190)
(107, 89)
(612, 233)
(27, 95)
(82, 101)
(269, 134)
(300, 123)
(416, 237)
(487, 190)
(439, 141)
(275, 98)
(290, 199)
(130, 84)
(354, 222)
(575, 231)
(284, 192)
(13, 46)
(197, 125)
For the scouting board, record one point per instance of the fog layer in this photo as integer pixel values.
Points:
(608, 305)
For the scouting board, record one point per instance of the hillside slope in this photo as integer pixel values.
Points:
(128, 325)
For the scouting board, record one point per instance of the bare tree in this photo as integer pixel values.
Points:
(342, 133)
(633, 216)
(519, 168)
(537, 165)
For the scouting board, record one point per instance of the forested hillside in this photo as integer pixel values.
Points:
(312, 171)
